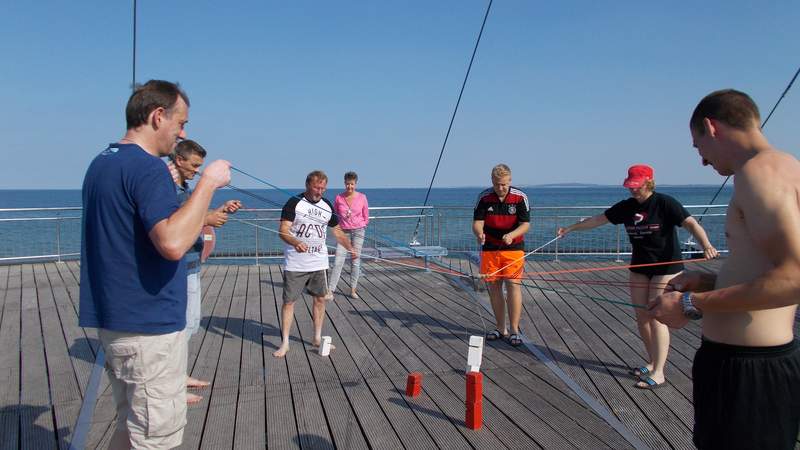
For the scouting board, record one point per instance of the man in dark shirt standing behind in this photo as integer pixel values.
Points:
(133, 279)
(501, 219)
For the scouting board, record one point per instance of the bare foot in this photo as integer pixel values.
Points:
(281, 352)
(328, 296)
(353, 294)
(193, 398)
(195, 383)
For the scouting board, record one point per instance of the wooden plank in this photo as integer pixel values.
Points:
(10, 357)
(250, 419)
(206, 307)
(9, 341)
(64, 390)
(313, 429)
(36, 420)
(282, 428)
(221, 418)
(353, 413)
(79, 347)
(215, 306)
(104, 418)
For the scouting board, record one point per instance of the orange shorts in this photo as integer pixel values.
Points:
(495, 260)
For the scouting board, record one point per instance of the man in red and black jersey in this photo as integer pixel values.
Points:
(501, 219)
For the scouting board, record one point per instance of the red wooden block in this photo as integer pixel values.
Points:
(474, 393)
(474, 416)
(474, 379)
(414, 384)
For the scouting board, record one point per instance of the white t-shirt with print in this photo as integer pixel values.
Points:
(310, 222)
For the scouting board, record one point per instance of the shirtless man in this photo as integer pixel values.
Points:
(747, 371)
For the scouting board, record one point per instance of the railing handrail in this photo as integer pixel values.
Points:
(57, 208)
(372, 208)
(575, 207)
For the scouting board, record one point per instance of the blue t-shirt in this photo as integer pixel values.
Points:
(126, 285)
(192, 256)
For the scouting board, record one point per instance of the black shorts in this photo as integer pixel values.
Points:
(746, 397)
(651, 271)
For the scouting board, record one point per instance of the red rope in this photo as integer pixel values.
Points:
(600, 269)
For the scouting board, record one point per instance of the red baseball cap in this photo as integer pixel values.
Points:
(637, 175)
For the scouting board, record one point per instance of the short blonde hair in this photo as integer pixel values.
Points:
(650, 184)
(501, 170)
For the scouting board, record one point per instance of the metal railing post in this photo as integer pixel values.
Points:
(58, 239)
(425, 227)
(619, 251)
(438, 227)
(556, 228)
(256, 245)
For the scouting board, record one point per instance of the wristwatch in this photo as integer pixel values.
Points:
(689, 310)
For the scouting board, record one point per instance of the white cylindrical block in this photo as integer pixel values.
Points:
(325, 346)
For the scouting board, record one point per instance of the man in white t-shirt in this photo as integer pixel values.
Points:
(305, 219)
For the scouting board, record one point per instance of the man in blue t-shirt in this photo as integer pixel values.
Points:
(185, 163)
(133, 277)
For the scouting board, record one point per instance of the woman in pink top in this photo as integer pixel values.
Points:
(353, 211)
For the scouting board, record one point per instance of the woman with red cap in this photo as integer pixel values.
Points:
(650, 220)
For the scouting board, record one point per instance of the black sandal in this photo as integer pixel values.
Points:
(494, 335)
(515, 340)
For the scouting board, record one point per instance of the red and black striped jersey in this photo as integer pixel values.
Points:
(500, 218)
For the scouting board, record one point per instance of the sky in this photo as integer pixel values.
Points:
(560, 91)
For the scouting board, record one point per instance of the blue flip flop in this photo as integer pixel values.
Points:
(650, 384)
(639, 371)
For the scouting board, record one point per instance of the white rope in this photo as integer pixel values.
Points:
(376, 258)
(522, 257)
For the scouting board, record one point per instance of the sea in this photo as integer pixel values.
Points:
(588, 195)
(55, 234)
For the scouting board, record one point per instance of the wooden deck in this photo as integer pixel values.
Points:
(406, 320)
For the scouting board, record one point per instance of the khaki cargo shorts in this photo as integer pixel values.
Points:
(148, 379)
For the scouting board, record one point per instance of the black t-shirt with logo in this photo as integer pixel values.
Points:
(651, 228)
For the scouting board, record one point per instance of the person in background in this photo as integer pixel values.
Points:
(352, 209)
(305, 219)
(651, 220)
(186, 161)
(501, 218)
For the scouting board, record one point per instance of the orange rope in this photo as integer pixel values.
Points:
(629, 266)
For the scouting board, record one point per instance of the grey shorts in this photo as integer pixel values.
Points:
(315, 283)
